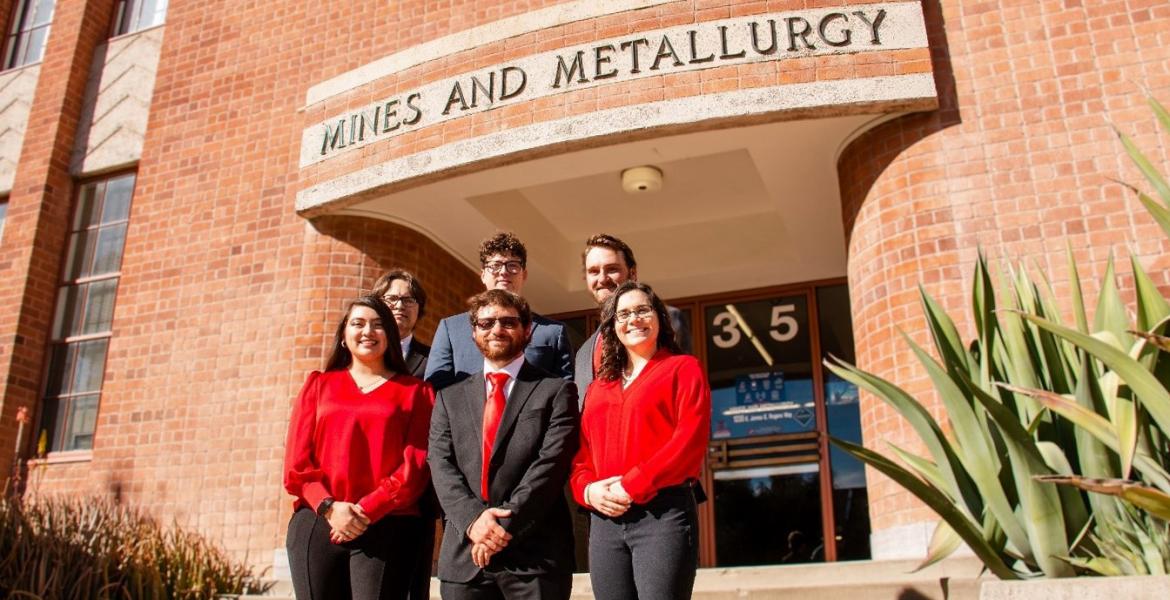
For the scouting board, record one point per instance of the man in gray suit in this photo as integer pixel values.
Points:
(453, 353)
(609, 262)
(501, 445)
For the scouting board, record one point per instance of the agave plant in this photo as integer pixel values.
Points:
(1058, 460)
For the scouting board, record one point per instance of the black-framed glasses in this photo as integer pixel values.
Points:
(488, 323)
(513, 267)
(391, 299)
(640, 312)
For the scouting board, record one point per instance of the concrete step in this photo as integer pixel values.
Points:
(954, 579)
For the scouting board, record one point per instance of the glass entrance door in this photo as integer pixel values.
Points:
(781, 493)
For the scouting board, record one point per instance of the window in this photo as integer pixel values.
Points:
(133, 15)
(3, 217)
(30, 27)
(84, 313)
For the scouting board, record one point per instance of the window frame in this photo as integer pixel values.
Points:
(125, 23)
(18, 33)
(56, 423)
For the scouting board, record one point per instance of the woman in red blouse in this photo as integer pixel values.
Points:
(355, 460)
(644, 433)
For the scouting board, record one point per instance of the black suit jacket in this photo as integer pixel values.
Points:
(530, 465)
(416, 358)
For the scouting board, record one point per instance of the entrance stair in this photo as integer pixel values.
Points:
(953, 579)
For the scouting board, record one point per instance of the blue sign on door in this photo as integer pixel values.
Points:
(761, 404)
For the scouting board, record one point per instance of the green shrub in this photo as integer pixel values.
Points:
(1058, 463)
(93, 548)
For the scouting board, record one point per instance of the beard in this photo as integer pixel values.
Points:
(505, 353)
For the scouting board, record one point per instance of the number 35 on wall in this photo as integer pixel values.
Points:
(732, 327)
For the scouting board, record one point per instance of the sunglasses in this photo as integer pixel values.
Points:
(489, 323)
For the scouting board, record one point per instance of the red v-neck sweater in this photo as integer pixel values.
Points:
(654, 433)
(369, 449)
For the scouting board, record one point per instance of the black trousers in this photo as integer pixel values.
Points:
(378, 565)
(420, 585)
(501, 585)
(650, 552)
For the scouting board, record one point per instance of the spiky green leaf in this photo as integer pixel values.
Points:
(975, 450)
(1153, 396)
(963, 526)
(943, 543)
(1145, 166)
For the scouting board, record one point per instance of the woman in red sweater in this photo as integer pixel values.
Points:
(644, 433)
(355, 460)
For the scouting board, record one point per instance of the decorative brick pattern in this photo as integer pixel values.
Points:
(16, 94)
(117, 102)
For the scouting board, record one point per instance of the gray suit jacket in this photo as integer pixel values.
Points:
(583, 364)
(454, 355)
(530, 464)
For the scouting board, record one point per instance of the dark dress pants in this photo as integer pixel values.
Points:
(501, 585)
(650, 552)
(378, 565)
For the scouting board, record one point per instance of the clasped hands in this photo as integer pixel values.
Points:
(346, 522)
(608, 496)
(487, 535)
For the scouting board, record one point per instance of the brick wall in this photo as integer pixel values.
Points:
(227, 297)
(32, 247)
(1017, 161)
(195, 405)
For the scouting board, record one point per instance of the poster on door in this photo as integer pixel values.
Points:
(762, 404)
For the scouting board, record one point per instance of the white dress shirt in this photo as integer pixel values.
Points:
(512, 369)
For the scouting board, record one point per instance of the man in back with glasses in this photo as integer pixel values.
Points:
(454, 355)
(402, 292)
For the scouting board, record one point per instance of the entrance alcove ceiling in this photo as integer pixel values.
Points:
(739, 208)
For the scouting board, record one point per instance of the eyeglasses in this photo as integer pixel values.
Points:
(513, 267)
(489, 323)
(640, 312)
(391, 299)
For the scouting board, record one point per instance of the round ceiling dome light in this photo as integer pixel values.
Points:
(641, 180)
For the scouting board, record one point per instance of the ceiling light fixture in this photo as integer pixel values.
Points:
(641, 180)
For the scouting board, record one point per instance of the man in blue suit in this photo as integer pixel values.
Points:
(454, 355)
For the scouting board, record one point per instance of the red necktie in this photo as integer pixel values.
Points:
(493, 409)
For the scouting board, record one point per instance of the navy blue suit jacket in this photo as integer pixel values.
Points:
(454, 355)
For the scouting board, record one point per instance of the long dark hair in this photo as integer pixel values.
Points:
(342, 358)
(614, 356)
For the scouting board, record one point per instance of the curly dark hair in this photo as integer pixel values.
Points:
(501, 298)
(614, 356)
(505, 243)
(605, 240)
(416, 288)
(341, 358)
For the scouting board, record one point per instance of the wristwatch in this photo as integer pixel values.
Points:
(325, 505)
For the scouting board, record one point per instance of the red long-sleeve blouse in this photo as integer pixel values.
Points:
(653, 433)
(365, 448)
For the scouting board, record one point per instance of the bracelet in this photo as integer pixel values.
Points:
(325, 505)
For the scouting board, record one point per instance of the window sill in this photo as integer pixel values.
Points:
(59, 458)
(21, 67)
(136, 32)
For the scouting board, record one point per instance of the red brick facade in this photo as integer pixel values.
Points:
(39, 210)
(228, 296)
